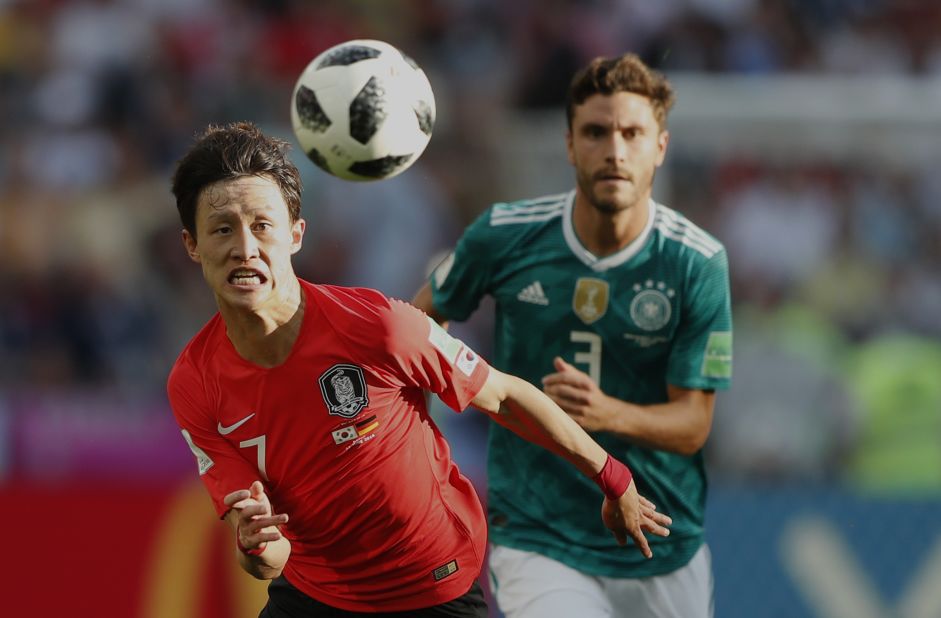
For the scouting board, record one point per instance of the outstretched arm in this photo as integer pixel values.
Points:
(522, 408)
(261, 549)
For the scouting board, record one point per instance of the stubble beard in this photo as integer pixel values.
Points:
(611, 205)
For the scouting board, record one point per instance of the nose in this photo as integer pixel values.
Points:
(617, 147)
(245, 245)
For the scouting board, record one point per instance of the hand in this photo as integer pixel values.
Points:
(631, 515)
(256, 523)
(578, 395)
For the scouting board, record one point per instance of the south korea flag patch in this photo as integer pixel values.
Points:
(466, 361)
(344, 390)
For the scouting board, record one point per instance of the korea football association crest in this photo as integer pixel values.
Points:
(590, 301)
(344, 390)
(651, 308)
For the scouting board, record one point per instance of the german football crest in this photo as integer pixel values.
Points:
(651, 308)
(344, 390)
(590, 301)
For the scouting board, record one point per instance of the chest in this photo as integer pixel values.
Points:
(638, 304)
(312, 413)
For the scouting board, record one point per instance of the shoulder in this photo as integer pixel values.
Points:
(196, 355)
(529, 211)
(366, 316)
(684, 238)
(506, 224)
(352, 303)
(186, 383)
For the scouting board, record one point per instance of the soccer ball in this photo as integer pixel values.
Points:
(363, 110)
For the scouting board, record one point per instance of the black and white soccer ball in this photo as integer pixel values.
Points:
(363, 110)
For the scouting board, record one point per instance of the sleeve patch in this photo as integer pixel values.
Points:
(445, 343)
(202, 459)
(467, 361)
(717, 361)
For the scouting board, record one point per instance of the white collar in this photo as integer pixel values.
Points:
(609, 261)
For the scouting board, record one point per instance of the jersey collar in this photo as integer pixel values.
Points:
(609, 261)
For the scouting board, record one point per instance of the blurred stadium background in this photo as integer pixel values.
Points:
(807, 138)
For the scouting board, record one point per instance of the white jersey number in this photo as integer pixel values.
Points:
(592, 357)
(260, 443)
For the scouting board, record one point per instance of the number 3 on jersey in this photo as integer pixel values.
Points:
(591, 357)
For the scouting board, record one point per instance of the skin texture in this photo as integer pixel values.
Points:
(616, 146)
(243, 228)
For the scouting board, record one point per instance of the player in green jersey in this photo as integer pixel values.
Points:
(619, 308)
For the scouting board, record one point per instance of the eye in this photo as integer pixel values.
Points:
(262, 226)
(594, 131)
(222, 229)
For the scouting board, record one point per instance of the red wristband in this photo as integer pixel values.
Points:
(250, 552)
(613, 479)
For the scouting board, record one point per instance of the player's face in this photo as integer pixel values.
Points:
(616, 145)
(244, 242)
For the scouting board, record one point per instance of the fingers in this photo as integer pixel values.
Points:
(559, 364)
(661, 519)
(641, 541)
(249, 509)
(255, 525)
(255, 530)
(651, 520)
(654, 526)
(578, 380)
(564, 393)
(236, 496)
(255, 494)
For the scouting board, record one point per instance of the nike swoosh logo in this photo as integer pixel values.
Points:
(227, 430)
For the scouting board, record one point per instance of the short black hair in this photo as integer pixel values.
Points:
(228, 152)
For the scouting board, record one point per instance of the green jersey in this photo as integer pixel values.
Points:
(655, 313)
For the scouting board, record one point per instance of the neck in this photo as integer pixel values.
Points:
(605, 233)
(266, 336)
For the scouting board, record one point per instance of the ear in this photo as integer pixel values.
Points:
(663, 140)
(569, 149)
(189, 243)
(297, 235)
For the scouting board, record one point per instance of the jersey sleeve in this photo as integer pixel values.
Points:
(702, 350)
(221, 468)
(427, 357)
(463, 278)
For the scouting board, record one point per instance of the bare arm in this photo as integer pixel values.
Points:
(256, 528)
(681, 425)
(522, 408)
(423, 300)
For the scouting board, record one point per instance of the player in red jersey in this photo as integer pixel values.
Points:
(307, 401)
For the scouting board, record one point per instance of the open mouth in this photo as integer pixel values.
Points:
(246, 277)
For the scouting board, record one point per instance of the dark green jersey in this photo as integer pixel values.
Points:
(655, 313)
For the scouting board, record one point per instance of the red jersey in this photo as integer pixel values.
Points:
(380, 517)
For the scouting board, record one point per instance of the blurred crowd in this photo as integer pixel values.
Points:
(835, 268)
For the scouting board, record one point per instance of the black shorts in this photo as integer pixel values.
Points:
(286, 601)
